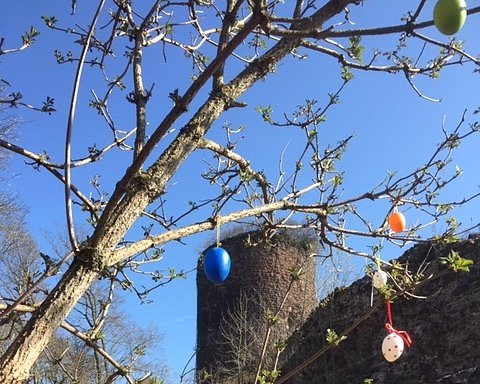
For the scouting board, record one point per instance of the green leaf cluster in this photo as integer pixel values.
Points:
(268, 377)
(29, 36)
(272, 318)
(355, 50)
(333, 338)
(266, 113)
(456, 263)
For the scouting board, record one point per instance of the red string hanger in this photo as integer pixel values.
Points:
(395, 342)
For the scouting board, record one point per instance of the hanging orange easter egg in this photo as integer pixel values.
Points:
(397, 222)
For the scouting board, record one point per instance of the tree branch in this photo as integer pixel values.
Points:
(242, 163)
(68, 136)
(39, 159)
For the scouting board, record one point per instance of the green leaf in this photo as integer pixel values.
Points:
(337, 180)
(266, 113)
(456, 263)
(356, 49)
(333, 338)
(29, 37)
(50, 21)
(268, 377)
(346, 74)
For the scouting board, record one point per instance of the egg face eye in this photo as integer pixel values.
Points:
(449, 16)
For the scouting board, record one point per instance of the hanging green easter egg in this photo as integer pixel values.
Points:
(449, 16)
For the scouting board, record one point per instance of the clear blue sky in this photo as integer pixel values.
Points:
(394, 130)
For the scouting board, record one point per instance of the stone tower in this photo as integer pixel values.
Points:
(233, 318)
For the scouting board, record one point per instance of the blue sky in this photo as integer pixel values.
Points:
(394, 130)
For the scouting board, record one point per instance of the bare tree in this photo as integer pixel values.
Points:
(231, 47)
(243, 343)
(19, 266)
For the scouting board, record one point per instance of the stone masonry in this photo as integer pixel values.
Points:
(444, 327)
(232, 318)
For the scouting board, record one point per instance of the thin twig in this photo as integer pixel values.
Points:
(38, 160)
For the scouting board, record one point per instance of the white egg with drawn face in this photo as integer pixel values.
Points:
(392, 347)
(380, 279)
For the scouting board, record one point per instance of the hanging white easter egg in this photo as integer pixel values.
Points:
(392, 347)
(380, 279)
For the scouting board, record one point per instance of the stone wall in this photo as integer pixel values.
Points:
(444, 327)
(232, 317)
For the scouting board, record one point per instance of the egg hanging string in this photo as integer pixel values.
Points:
(217, 225)
(379, 278)
(389, 327)
(377, 262)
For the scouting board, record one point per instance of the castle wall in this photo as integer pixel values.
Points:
(444, 328)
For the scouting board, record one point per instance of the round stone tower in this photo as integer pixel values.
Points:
(271, 283)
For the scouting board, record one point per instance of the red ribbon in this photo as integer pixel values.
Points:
(389, 327)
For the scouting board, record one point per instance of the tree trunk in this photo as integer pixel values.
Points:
(17, 361)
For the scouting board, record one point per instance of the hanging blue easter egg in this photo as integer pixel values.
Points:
(217, 265)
